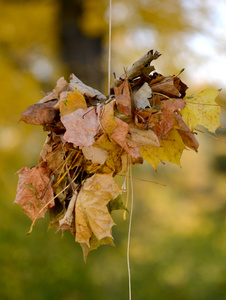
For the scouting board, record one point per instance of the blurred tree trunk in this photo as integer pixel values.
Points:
(82, 54)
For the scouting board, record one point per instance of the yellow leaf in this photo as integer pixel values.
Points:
(92, 215)
(113, 162)
(171, 148)
(202, 109)
(73, 101)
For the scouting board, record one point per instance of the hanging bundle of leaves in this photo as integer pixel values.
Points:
(92, 138)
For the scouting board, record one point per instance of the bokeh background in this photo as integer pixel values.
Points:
(178, 242)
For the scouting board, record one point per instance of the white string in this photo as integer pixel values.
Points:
(109, 49)
(130, 168)
(130, 225)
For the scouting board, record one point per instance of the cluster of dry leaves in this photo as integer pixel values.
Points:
(92, 138)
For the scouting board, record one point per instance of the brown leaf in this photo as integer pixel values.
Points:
(81, 126)
(138, 137)
(48, 97)
(166, 123)
(187, 136)
(123, 99)
(167, 88)
(84, 89)
(119, 136)
(92, 216)
(40, 113)
(34, 190)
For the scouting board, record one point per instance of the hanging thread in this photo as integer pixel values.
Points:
(109, 48)
(129, 160)
(130, 225)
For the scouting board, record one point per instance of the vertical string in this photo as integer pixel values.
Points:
(130, 225)
(130, 168)
(109, 48)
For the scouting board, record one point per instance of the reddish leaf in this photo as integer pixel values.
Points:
(119, 136)
(123, 99)
(166, 123)
(187, 136)
(34, 190)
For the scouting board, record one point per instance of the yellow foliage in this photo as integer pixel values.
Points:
(171, 148)
(74, 101)
(202, 109)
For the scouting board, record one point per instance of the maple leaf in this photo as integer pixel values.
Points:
(94, 244)
(171, 148)
(92, 215)
(123, 99)
(166, 122)
(40, 113)
(113, 162)
(107, 119)
(81, 126)
(119, 136)
(73, 101)
(202, 109)
(34, 190)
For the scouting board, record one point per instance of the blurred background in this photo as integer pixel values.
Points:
(178, 242)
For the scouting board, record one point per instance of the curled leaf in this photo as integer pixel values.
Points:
(40, 113)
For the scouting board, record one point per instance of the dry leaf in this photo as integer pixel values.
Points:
(142, 95)
(34, 190)
(81, 126)
(92, 215)
(107, 119)
(94, 244)
(72, 102)
(138, 137)
(187, 136)
(60, 87)
(166, 123)
(96, 155)
(84, 89)
(123, 99)
(119, 136)
(40, 113)
(171, 148)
